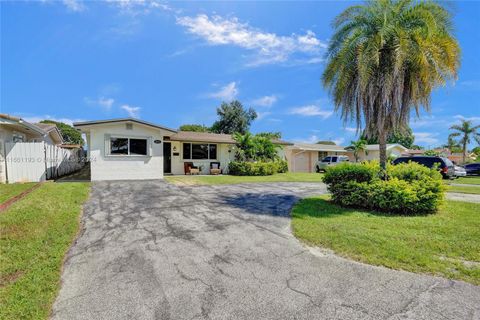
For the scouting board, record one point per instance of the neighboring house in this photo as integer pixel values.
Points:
(373, 152)
(126, 149)
(302, 157)
(455, 157)
(14, 129)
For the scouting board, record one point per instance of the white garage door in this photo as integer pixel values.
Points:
(301, 162)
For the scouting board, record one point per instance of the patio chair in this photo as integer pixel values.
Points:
(189, 168)
(215, 168)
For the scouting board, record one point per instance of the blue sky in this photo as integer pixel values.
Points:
(173, 63)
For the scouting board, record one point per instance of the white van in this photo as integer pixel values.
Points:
(329, 161)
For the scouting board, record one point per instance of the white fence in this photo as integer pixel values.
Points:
(38, 161)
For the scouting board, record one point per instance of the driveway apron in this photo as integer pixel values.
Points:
(152, 250)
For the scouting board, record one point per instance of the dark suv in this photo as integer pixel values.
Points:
(446, 167)
(472, 168)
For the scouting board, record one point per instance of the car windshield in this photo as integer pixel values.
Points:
(326, 159)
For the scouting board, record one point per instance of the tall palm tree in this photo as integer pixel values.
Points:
(451, 144)
(466, 130)
(357, 147)
(384, 60)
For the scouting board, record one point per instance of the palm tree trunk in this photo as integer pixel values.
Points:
(382, 145)
(464, 150)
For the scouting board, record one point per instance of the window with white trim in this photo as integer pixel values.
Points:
(199, 151)
(128, 146)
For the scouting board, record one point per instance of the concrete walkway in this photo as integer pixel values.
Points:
(152, 250)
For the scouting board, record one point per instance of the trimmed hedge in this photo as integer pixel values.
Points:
(410, 188)
(260, 168)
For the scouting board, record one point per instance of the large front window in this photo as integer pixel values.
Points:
(199, 151)
(128, 146)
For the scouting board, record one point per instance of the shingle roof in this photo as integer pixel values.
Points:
(98, 122)
(210, 137)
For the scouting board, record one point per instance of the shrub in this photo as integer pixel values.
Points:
(410, 188)
(244, 168)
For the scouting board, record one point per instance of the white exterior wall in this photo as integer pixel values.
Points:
(116, 167)
(223, 156)
(375, 154)
(305, 161)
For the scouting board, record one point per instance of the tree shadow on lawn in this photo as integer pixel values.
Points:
(272, 204)
(323, 207)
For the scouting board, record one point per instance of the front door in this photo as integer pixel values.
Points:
(167, 157)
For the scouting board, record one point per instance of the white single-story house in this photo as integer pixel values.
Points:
(128, 149)
(373, 152)
(14, 129)
(302, 157)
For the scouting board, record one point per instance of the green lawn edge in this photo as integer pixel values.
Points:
(443, 244)
(8, 191)
(229, 179)
(35, 235)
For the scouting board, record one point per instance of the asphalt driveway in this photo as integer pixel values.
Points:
(151, 250)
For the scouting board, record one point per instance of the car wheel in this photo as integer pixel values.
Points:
(317, 169)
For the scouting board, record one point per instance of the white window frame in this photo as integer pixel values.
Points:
(109, 146)
(191, 151)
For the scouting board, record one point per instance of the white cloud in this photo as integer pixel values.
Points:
(265, 101)
(428, 121)
(311, 111)
(74, 5)
(105, 103)
(262, 115)
(136, 7)
(314, 139)
(311, 139)
(425, 138)
(36, 119)
(132, 111)
(268, 47)
(460, 117)
(471, 84)
(350, 129)
(226, 93)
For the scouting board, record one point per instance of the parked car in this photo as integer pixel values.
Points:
(446, 167)
(472, 169)
(460, 172)
(329, 161)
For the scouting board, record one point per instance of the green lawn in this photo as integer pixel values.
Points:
(444, 244)
(227, 179)
(464, 189)
(8, 191)
(35, 234)
(468, 180)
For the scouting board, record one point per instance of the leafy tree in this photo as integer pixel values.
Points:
(270, 135)
(357, 147)
(452, 145)
(466, 130)
(332, 143)
(233, 118)
(265, 149)
(476, 150)
(385, 59)
(404, 138)
(245, 146)
(254, 148)
(416, 147)
(432, 153)
(69, 133)
(194, 128)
